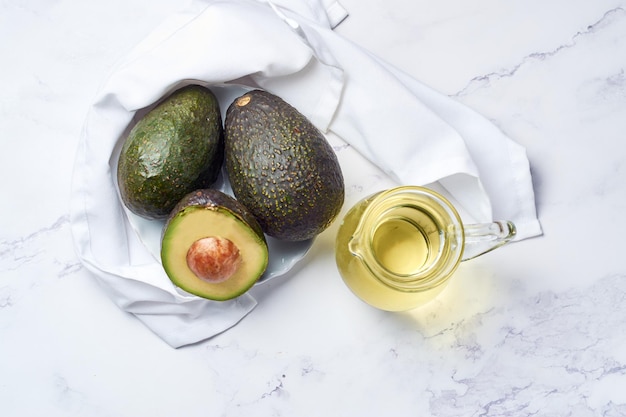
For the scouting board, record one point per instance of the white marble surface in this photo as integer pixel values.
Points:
(536, 328)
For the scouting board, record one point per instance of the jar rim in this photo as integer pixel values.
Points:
(452, 240)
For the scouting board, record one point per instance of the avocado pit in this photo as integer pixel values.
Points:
(213, 259)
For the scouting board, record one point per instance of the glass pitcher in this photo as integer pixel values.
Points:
(397, 249)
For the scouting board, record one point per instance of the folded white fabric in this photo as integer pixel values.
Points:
(287, 47)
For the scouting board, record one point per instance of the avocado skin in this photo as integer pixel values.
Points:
(281, 167)
(177, 147)
(212, 198)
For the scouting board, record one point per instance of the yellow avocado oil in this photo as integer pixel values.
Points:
(393, 249)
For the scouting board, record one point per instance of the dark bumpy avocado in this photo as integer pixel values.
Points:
(281, 167)
(177, 147)
(212, 246)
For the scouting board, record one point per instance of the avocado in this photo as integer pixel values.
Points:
(281, 167)
(177, 147)
(212, 246)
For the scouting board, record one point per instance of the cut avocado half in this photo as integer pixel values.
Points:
(212, 246)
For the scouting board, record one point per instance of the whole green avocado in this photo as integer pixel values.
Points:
(281, 167)
(177, 147)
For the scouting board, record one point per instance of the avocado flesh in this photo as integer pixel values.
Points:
(210, 213)
(281, 167)
(177, 147)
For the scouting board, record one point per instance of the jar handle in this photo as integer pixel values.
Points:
(484, 237)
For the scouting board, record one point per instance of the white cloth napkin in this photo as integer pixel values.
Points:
(288, 47)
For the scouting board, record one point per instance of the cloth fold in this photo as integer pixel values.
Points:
(288, 47)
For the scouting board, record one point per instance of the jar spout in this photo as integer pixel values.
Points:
(485, 237)
(354, 246)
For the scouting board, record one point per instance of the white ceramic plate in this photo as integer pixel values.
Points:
(282, 255)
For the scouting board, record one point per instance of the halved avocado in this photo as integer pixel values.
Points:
(212, 246)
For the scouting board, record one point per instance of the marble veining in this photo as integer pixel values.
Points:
(549, 354)
(534, 329)
(35, 248)
(614, 16)
(556, 344)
